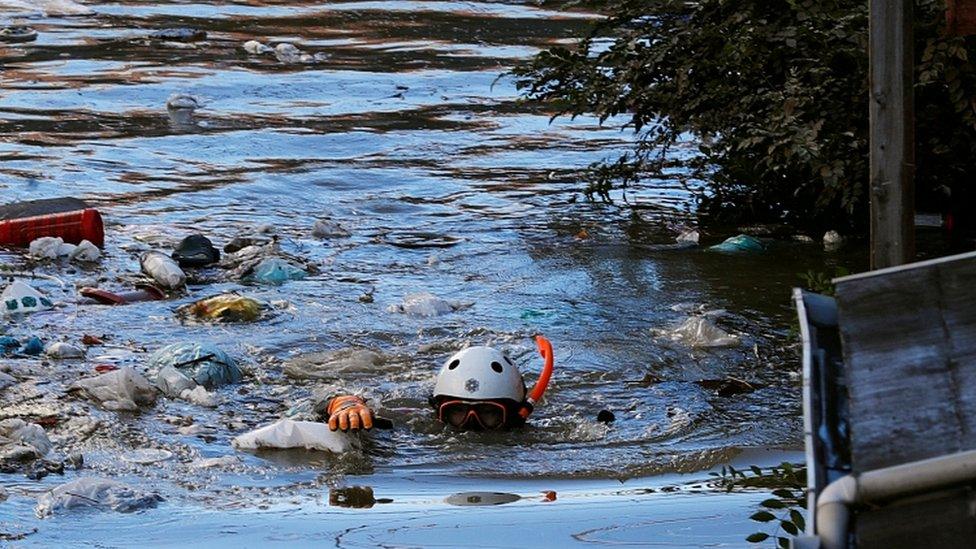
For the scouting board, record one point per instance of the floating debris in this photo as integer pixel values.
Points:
(122, 389)
(698, 331)
(163, 269)
(326, 365)
(20, 297)
(179, 34)
(425, 304)
(740, 243)
(325, 228)
(98, 493)
(182, 101)
(223, 308)
(286, 433)
(417, 239)
(15, 34)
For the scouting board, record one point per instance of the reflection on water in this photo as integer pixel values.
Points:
(402, 132)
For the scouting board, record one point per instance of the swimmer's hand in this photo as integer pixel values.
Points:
(349, 413)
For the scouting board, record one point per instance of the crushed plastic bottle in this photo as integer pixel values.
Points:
(163, 269)
(223, 308)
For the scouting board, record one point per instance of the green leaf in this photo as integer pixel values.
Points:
(762, 516)
(756, 470)
(798, 520)
(789, 527)
(782, 543)
(758, 537)
(783, 493)
(773, 503)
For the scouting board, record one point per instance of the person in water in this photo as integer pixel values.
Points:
(479, 388)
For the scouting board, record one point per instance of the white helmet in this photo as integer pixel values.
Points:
(478, 373)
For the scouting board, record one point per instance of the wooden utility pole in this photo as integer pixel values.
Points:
(892, 112)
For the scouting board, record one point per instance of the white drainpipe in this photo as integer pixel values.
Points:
(833, 504)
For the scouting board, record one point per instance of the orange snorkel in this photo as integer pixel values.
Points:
(545, 349)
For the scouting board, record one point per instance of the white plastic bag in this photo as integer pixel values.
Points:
(287, 433)
(698, 331)
(123, 389)
(423, 304)
(163, 269)
(253, 47)
(60, 349)
(98, 493)
(85, 251)
(20, 441)
(326, 228)
(20, 297)
(325, 365)
(49, 247)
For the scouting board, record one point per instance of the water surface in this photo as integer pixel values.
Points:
(403, 131)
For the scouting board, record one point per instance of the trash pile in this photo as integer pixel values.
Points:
(62, 389)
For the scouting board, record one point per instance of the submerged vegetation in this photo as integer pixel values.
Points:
(775, 94)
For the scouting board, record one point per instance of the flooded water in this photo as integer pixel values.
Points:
(399, 127)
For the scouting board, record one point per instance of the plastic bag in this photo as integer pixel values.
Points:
(33, 346)
(423, 304)
(98, 493)
(741, 243)
(325, 228)
(286, 433)
(326, 365)
(85, 251)
(20, 297)
(688, 237)
(60, 349)
(49, 247)
(253, 47)
(122, 389)
(6, 380)
(276, 271)
(163, 269)
(183, 366)
(22, 441)
(698, 331)
(223, 308)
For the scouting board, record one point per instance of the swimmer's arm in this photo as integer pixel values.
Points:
(349, 413)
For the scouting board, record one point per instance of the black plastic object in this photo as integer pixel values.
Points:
(196, 250)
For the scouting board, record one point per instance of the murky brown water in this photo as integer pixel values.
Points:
(398, 125)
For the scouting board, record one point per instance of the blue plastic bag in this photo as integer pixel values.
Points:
(276, 271)
(202, 363)
(740, 243)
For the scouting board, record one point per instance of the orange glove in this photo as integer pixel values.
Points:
(349, 413)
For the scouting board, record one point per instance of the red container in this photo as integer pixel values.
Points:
(68, 218)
